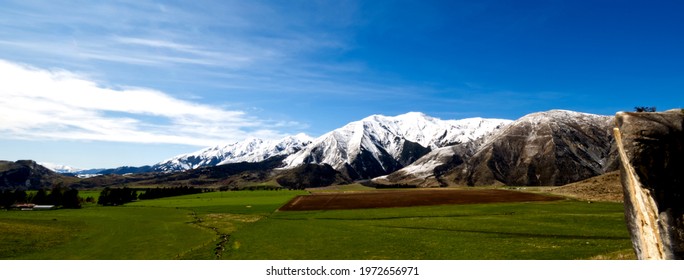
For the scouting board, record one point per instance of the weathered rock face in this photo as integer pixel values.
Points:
(651, 148)
(548, 148)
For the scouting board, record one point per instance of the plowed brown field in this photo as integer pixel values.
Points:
(399, 198)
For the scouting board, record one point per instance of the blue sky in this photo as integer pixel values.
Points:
(110, 83)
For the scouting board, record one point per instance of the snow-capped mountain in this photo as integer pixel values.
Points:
(59, 168)
(378, 145)
(249, 150)
(544, 148)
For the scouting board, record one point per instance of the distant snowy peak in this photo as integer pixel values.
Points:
(380, 144)
(249, 150)
(59, 168)
(259, 150)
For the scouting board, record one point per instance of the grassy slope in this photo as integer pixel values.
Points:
(548, 230)
(606, 187)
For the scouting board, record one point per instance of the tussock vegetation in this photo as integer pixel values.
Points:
(606, 187)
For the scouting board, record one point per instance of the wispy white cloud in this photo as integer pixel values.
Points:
(243, 41)
(58, 104)
(177, 53)
(230, 34)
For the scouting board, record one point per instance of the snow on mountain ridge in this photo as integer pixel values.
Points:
(547, 117)
(248, 150)
(59, 168)
(382, 137)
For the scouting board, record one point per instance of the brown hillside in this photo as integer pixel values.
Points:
(606, 187)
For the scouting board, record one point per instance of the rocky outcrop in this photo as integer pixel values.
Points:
(651, 150)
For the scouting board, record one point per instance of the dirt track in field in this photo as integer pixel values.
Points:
(385, 199)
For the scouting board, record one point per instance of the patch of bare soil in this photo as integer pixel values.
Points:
(385, 199)
(606, 187)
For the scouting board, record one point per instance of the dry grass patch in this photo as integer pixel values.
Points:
(606, 187)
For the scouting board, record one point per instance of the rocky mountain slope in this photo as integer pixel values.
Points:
(378, 145)
(428, 170)
(546, 148)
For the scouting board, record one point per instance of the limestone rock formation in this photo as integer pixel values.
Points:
(651, 149)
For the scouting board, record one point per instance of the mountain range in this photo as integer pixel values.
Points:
(378, 145)
(413, 149)
(546, 148)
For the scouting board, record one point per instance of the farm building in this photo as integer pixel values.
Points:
(23, 206)
(31, 207)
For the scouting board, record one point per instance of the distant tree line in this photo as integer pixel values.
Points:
(58, 196)
(119, 196)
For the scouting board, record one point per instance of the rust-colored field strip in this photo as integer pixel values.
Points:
(384, 199)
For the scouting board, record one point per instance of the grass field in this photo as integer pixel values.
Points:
(100, 233)
(246, 225)
(185, 227)
(538, 230)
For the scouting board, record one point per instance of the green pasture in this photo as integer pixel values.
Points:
(184, 227)
(539, 230)
(245, 225)
(100, 233)
(234, 202)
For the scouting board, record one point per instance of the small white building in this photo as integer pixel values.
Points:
(44, 207)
